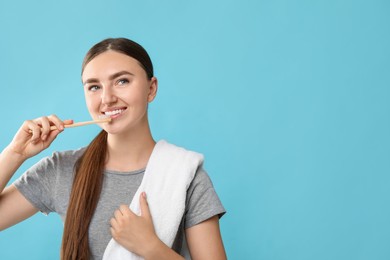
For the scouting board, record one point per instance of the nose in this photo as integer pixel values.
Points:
(108, 96)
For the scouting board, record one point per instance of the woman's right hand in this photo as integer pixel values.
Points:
(35, 135)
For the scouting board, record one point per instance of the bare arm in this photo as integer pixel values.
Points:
(204, 240)
(9, 163)
(33, 137)
(13, 206)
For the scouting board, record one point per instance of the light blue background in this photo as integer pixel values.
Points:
(288, 100)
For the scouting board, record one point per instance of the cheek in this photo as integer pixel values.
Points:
(90, 101)
(134, 97)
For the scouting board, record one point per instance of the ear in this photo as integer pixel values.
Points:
(152, 89)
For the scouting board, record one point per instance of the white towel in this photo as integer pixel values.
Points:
(167, 177)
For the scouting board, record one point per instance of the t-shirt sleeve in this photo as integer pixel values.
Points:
(202, 201)
(36, 184)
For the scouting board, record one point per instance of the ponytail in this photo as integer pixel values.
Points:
(87, 185)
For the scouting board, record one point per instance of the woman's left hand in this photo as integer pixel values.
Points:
(135, 233)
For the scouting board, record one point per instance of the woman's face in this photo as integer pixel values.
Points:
(115, 85)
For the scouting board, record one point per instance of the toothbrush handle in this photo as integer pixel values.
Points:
(97, 121)
(105, 120)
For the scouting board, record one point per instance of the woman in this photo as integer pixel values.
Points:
(91, 188)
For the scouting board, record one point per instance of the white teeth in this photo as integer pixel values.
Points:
(114, 112)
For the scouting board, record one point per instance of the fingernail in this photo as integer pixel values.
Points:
(44, 137)
(144, 194)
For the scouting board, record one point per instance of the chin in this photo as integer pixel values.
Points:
(115, 130)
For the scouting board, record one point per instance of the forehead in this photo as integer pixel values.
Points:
(110, 62)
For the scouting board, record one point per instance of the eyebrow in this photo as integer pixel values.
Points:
(113, 76)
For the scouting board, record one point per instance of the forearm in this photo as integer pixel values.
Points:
(9, 163)
(161, 251)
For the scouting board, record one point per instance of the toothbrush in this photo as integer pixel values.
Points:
(102, 119)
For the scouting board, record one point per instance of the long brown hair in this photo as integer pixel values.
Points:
(88, 178)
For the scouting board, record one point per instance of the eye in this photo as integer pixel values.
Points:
(93, 88)
(122, 81)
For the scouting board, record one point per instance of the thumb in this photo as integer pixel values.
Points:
(68, 121)
(144, 205)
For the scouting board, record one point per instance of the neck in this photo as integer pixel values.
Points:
(129, 151)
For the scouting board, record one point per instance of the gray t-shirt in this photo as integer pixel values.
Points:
(48, 183)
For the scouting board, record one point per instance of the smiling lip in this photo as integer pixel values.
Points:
(113, 113)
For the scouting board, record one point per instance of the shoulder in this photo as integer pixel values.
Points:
(69, 154)
(202, 201)
(66, 157)
(201, 178)
(166, 149)
(57, 161)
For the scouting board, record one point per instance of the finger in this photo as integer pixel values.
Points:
(144, 205)
(32, 128)
(113, 223)
(68, 121)
(52, 135)
(57, 122)
(113, 232)
(118, 214)
(45, 125)
(125, 210)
